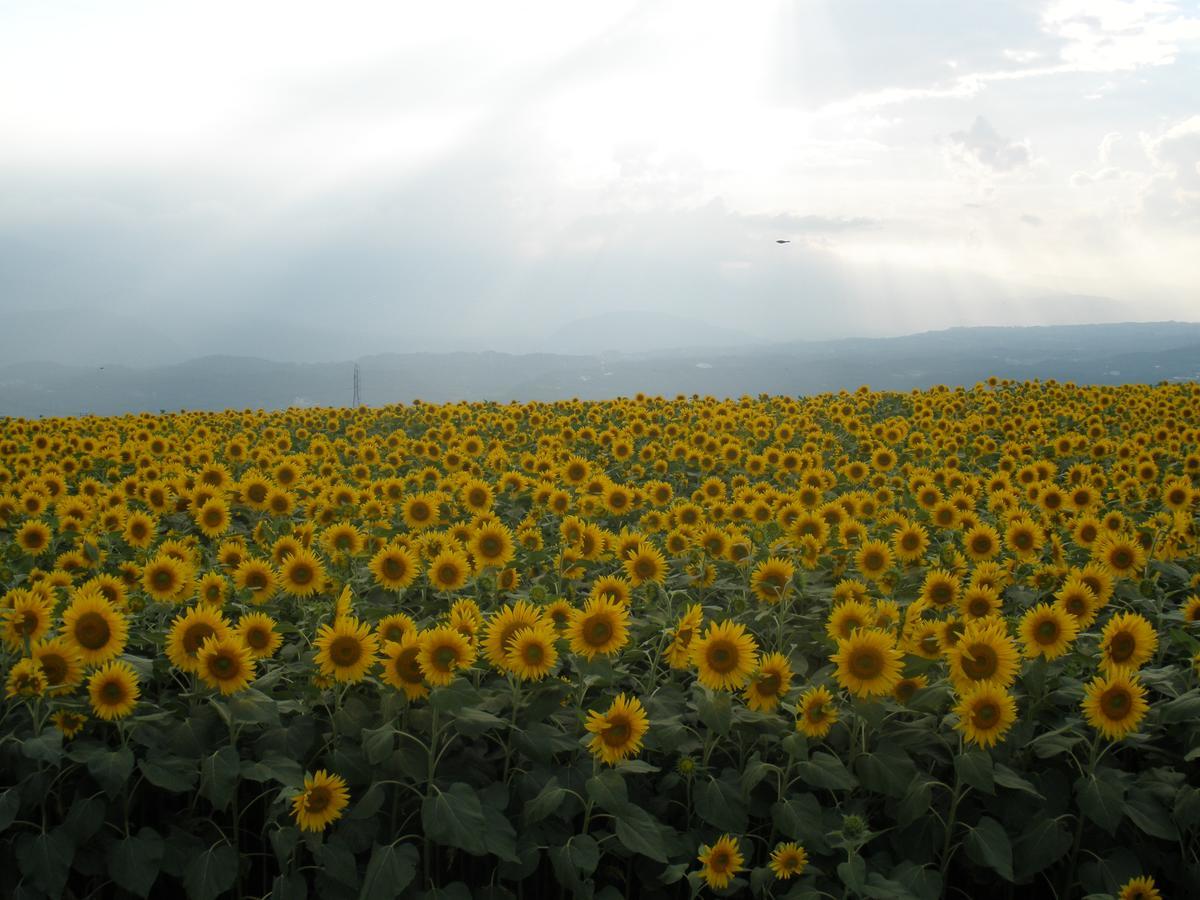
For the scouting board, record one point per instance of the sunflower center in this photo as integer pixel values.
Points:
(257, 638)
(866, 663)
(719, 861)
(317, 799)
(722, 657)
(910, 541)
(27, 624)
(112, 692)
(393, 568)
(1121, 559)
(1116, 703)
(533, 654)
(617, 733)
(221, 666)
(979, 607)
(54, 667)
(444, 658)
(345, 651)
(1121, 647)
(448, 573)
(406, 666)
(598, 632)
(981, 544)
(195, 636)
(905, 689)
(645, 567)
(162, 579)
(92, 631)
(770, 684)
(980, 661)
(1046, 632)
(873, 561)
(302, 573)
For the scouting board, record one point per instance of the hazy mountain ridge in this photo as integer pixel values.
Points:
(1097, 354)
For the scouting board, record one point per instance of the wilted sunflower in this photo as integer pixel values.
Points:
(321, 802)
(113, 690)
(257, 632)
(788, 860)
(725, 656)
(95, 628)
(1047, 631)
(600, 628)
(346, 650)
(532, 654)
(679, 654)
(394, 567)
(985, 713)
(225, 663)
(983, 652)
(618, 731)
(721, 861)
(401, 668)
(189, 632)
(769, 684)
(443, 652)
(868, 662)
(772, 579)
(301, 573)
(1127, 642)
(1115, 704)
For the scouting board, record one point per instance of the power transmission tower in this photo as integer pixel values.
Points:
(357, 387)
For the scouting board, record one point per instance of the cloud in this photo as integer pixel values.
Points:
(1173, 192)
(982, 147)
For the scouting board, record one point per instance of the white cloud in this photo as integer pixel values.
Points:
(982, 147)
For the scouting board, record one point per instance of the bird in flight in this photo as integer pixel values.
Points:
(783, 242)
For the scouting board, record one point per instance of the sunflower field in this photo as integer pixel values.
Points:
(943, 643)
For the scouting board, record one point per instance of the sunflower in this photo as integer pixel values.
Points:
(343, 539)
(321, 802)
(443, 652)
(601, 627)
(940, 588)
(1140, 888)
(849, 616)
(772, 579)
(1191, 609)
(97, 629)
(618, 731)
(33, 537)
(61, 663)
(770, 683)
(164, 577)
(256, 576)
(212, 589)
(981, 543)
(301, 573)
(503, 625)
(873, 559)
(225, 663)
(613, 586)
(395, 628)
(28, 619)
(908, 686)
(25, 679)
(466, 618)
(558, 612)
(679, 654)
(140, 529)
(449, 570)
(984, 652)
(346, 650)
(532, 654)
(492, 546)
(1047, 631)
(113, 690)
(1121, 556)
(1115, 704)
(1077, 600)
(213, 518)
(1127, 642)
(401, 669)
(979, 602)
(257, 632)
(868, 662)
(189, 632)
(394, 567)
(721, 861)
(420, 512)
(725, 656)
(68, 722)
(985, 713)
(815, 712)
(645, 564)
(788, 860)
(910, 542)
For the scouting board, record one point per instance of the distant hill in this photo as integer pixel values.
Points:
(1085, 354)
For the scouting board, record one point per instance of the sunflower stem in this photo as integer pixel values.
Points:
(1076, 843)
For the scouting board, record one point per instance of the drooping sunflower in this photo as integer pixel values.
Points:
(113, 690)
(503, 625)
(448, 570)
(908, 686)
(28, 619)
(770, 683)
(772, 578)
(679, 654)
(532, 655)
(61, 664)
(1140, 888)
(163, 578)
(873, 559)
(788, 860)
(187, 635)
(600, 628)
(720, 862)
(346, 650)
(402, 670)
(868, 662)
(97, 629)
(225, 663)
(985, 713)
(848, 617)
(394, 567)
(443, 652)
(984, 652)
(321, 802)
(645, 564)
(301, 573)
(618, 731)
(1127, 642)
(1047, 631)
(1115, 704)
(257, 632)
(725, 656)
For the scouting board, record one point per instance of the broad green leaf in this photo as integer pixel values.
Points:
(47, 746)
(915, 803)
(719, 803)
(1044, 843)
(988, 844)
(389, 872)
(824, 770)
(1150, 816)
(1181, 709)
(715, 710)
(370, 803)
(499, 836)
(111, 769)
(210, 874)
(379, 743)
(608, 791)
(10, 803)
(549, 799)
(641, 832)
(338, 863)
(798, 817)
(454, 818)
(45, 859)
(1102, 801)
(84, 819)
(974, 767)
(853, 873)
(219, 775)
(133, 862)
(170, 773)
(1006, 777)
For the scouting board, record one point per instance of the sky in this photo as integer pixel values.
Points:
(315, 181)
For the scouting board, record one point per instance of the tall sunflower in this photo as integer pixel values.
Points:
(113, 690)
(187, 635)
(1047, 631)
(725, 656)
(772, 578)
(321, 802)
(532, 655)
(503, 625)
(225, 663)
(346, 650)
(1115, 704)
(492, 546)
(1078, 600)
(600, 628)
(95, 628)
(257, 631)
(618, 731)
(868, 662)
(301, 573)
(258, 577)
(788, 860)
(61, 663)
(394, 567)
(873, 559)
(985, 713)
(163, 578)
(28, 619)
(1121, 555)
(645, 564)
(448, 570)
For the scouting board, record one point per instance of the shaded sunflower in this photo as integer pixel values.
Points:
(1140, 888)
(725, 656)
(848, 617)
(346, 650)
(113, 690)
(212, 589)
(788, 860)
(321, 802)
(395, 628)
(770, 683)
(225, 663)
(401, 668)
(68, 722)
(532, 654)
(1127, 642)
(187, 635)
(1115, 704)
(679, 654)
(907, 687)
(61, 663)
(213, 518)
(443, 652)
(978, 602)
(868, 662)
(28, 619)
(559, 613)
(1047, 631)
(33, 537)
(613, 586)
(618, 731)
(720, 862)
(600, 628)
(256, 576)
(95, 628)
(985, 713)
(25, 679)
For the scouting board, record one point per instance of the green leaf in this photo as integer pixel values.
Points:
(389, 872)
(46, 747)
(915, 803)
(1052, 743)
(209, 874)
(824, 770)
(283, 842)
(292, 886)
(338, 863)
(454, 818)
(1006, 777)
(171, 773)
(636, 767)
(1102, 801)
(719, 803)
(1042, 845)
(10, 804)
(455, 696)
(1181, 709)
(549, 798)
(111, 769)
(133, 862)
(1150, 816)
(273, 768)
(370, 803)
(45, 859)
(608, 791)
(641, 832)
(974, 767)
(473, 721)
(798, 817)
(499, 836)
(584, 853)
(715, 710)
(253, 707)
(988, 844)
(853, 873)
(84, 819)
(379, 743)
(218, 776)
